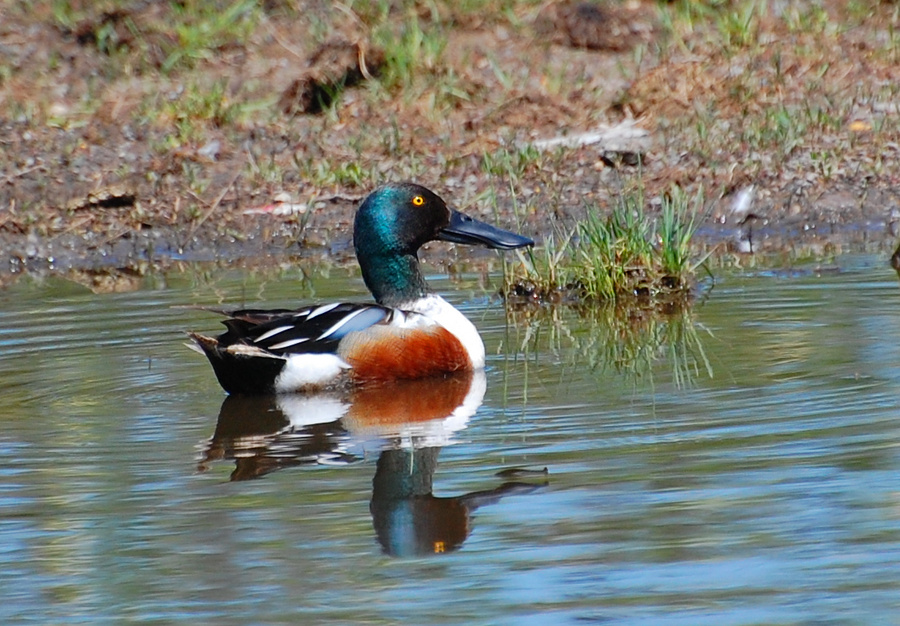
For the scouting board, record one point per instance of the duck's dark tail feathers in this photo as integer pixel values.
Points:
(240, 368)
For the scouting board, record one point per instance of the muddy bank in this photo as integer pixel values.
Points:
(124, 147)
(836, 222)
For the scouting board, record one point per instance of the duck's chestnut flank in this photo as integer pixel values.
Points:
(380, 354)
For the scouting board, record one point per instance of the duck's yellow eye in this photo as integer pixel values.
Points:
(418, 200)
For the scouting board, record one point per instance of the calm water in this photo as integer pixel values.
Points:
(766, 492)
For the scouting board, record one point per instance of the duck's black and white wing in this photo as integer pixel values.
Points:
(314, 329)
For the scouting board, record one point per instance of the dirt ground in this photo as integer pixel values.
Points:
(130, 139)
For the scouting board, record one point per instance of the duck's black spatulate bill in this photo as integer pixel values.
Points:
(468, 230)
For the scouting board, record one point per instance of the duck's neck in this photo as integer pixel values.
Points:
(393, 279)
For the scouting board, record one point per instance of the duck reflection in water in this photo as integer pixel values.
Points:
(408, 422)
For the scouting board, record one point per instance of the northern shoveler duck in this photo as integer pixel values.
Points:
(410, 333)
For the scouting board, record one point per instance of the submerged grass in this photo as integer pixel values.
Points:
(627, 341)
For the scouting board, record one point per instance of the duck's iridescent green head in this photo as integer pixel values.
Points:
(395, 220)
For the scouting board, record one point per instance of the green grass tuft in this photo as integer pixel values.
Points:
(624, 254)
(202, 29)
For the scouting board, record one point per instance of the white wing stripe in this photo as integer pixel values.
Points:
(288, 343)
(272, 333)
(323, 309)
(343, 321)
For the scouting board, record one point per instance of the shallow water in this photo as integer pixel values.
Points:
(745, 474)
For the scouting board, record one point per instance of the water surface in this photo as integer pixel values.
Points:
(749, 478)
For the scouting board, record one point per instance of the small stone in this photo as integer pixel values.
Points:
(210, 150)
